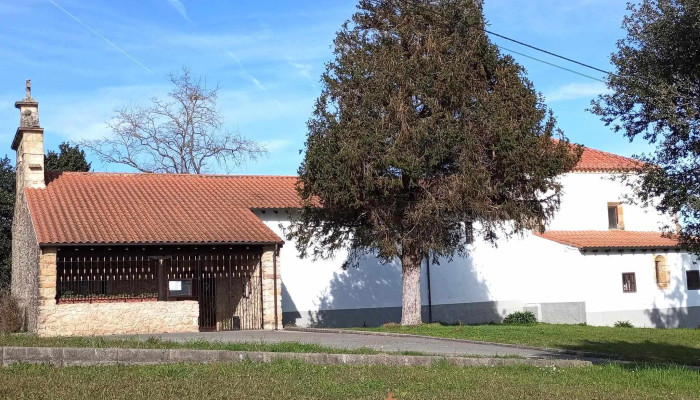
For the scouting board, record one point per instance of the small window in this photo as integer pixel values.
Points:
(629, 282)
(615, 220)
(663, 278)
(180, 288)
(693, 279)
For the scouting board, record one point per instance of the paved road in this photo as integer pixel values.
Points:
(354, 341)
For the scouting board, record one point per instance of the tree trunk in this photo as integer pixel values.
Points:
(411, 307)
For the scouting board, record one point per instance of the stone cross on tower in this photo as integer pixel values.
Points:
(29, 143)
(28, 86)
(29, 108)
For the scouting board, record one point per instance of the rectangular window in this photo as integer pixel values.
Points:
(629, 282)
(615, 216)
(693, 279)
(180, 288)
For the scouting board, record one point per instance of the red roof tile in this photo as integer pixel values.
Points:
(609, 239)
(102, 208)
(593, 160)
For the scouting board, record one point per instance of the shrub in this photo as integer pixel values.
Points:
(10, 313)
(520, 317)
(623, 324)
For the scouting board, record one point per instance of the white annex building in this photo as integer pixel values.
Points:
(106, 253)
(600, 261)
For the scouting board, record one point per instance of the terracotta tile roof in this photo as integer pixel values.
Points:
(593, 160)
(102, 208)
(609, 239)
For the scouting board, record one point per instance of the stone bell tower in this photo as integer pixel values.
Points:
(29, 143)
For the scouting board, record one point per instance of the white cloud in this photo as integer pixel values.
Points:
(274, 145)
(180, 8)
(304, 69)
(573, 91)
(252, 108)
(84, 116)
(101, 36)
(245, 72)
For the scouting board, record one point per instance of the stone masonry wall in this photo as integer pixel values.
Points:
(86, 319)
(269, 286)
(29, 140)
(25, 262)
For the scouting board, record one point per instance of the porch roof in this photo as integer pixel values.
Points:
(587, 240)
(118, 208)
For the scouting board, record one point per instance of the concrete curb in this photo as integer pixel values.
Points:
(577, 353)
(68, 356)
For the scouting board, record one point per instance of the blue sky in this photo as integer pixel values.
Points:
(86, 58)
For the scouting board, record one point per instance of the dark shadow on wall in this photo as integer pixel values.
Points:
(288, 317)
(360, 296)
(679, 315)
(459, 295)
(370, 295)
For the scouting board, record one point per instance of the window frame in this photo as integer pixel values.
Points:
(661, 268)
(615, 211)
(697, 280)
(192, 294)
(633, 282)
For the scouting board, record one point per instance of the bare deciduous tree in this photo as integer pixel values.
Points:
(182, 134)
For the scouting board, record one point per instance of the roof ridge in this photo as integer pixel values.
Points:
(609, 153)
(168, 174)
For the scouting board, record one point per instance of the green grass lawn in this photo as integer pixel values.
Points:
(29, 340)
(680, 346)
(297, 380)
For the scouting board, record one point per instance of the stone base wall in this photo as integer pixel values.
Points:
(272, 288)
(86, 319)
(142, 317)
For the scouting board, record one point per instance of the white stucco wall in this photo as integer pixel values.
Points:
(323, 284)
(526, 270)
(584, 204)
(607, 303)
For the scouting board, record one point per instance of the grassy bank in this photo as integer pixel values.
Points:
(680, 346)
(296, 380)
(28, 340)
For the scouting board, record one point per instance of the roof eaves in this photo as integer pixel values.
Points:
(80, 244)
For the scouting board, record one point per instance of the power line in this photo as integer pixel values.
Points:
(545, 51)
(553, 65)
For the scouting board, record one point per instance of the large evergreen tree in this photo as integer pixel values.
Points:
(7, 207)
(656, 95)
(424, 135)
